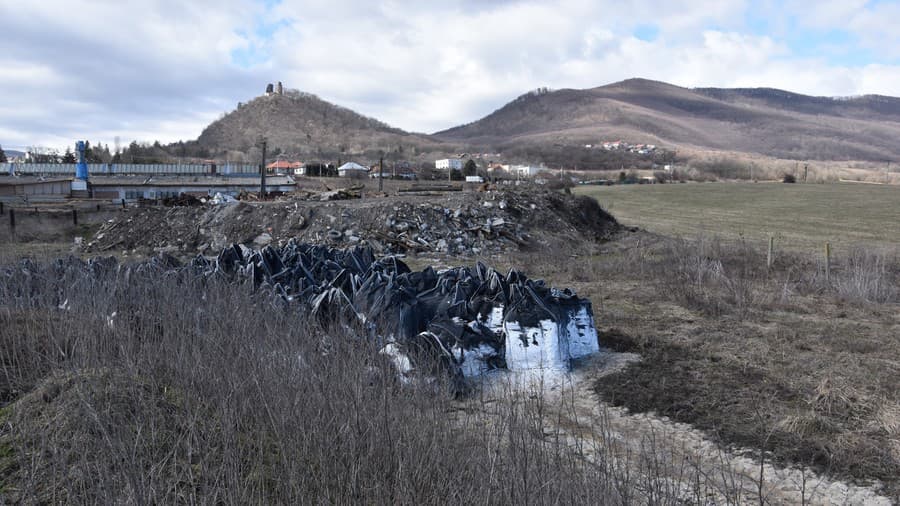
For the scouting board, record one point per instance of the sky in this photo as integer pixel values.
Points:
(150, 70)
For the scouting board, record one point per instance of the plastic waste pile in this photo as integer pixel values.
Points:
(472, 319)
(221, 198)
(464, 320)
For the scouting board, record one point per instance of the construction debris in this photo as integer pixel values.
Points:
(460, 223)
(354, 192)
(184, 199)
(219, 199)
(421, 188)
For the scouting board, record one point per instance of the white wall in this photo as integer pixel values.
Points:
(448, 163)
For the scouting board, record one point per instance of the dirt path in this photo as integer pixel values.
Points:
(652, 459)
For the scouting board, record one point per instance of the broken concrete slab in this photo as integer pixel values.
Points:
(456, 224)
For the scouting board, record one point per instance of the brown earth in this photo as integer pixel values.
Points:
(458, 223)
(764, 121)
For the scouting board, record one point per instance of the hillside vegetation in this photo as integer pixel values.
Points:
(303, 123)
(763, 121)
(553, 127)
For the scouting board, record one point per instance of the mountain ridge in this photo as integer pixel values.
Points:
(760, 121)
(764, 121)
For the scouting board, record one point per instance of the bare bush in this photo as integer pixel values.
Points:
(869, 276)
(135, 385)
(710, 275)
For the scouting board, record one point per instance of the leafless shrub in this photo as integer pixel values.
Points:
(139, 386)
(869, 276)
(715, 276)
(709, 274)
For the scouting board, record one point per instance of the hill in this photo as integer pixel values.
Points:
(303, 123)
(763, 121)
(10, 153)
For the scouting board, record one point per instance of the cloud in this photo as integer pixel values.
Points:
(163, 69)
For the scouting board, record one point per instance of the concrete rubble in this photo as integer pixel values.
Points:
(459, 223)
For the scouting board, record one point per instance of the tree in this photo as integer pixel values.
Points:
(470, 168)
(133, 151)
(90, 155)
(2, 155)
(68, 156)
(107, 156)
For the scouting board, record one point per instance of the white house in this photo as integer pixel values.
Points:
(449, 163)
(525, 170)
(351, 169)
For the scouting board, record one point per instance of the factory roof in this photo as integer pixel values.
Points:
(188, 181)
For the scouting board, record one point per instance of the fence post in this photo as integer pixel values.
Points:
(123, 203)
(770, 257)
(12, 221)
(75, 217)
(827, 262)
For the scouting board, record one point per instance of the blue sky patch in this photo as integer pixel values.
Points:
(647, 33)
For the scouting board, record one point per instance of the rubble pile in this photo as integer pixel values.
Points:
(185, 199)
(466, 320)
(429, 227)
(457, 223)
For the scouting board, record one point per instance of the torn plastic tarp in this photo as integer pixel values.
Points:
(474, 318)
(468, 319)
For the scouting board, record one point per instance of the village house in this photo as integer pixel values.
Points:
(352, 169)
(284, 167)
(525, 170)
(449, 163)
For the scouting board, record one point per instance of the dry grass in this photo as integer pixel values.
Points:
(801, 217)
(779, 359)
(198, 391)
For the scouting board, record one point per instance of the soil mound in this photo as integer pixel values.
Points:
(464, 223)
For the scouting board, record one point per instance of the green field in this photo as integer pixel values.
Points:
(799, 216)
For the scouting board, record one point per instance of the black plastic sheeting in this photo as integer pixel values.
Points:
(428, 314)
(444, 312)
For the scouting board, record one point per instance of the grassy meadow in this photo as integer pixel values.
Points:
(800, 216)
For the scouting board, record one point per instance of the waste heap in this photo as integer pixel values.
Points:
(465, 223)
(465, 320)
(472, 319)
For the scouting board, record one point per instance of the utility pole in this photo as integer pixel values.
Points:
(380, 174)
(262, 171)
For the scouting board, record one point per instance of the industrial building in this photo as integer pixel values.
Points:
(157, 187)
(34, 188)
(132, 182)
